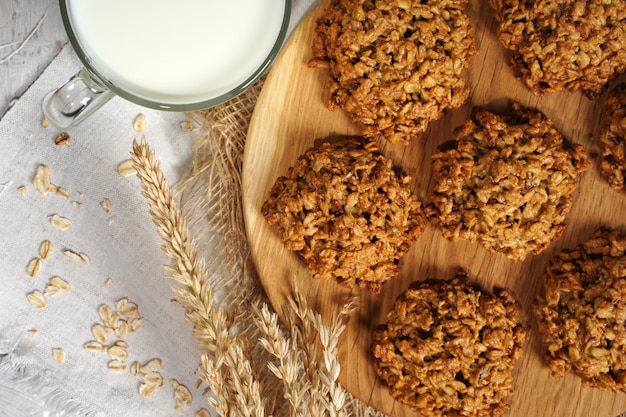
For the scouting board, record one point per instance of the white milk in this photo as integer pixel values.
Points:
(177, 51)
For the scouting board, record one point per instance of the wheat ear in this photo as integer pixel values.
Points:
(225, 367)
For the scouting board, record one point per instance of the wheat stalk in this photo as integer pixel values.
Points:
(225, 367)
(309, 376)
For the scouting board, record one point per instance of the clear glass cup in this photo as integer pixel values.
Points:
(90, 88)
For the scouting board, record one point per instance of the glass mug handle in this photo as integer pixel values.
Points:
(75, 100)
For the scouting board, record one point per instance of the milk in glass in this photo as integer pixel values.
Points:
(176, 51)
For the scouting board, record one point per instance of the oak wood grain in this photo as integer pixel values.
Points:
(291, 114)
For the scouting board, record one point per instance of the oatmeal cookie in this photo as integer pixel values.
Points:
(613, 139)
(507, 183)
(564, 44)
(345, 210)
(582, 311)
(448, 348)
(394, 65)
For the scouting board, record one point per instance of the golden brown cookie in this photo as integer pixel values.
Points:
(345, 210)
(564, 44)
(581, 311)
(448, 348)
(507, 183)
(613, 139)
(394, 65)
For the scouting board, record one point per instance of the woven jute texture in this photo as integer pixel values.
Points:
(211, 201)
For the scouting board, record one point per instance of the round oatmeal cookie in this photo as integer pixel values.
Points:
(449, 348)
(507, 183)
(581, 311)
(345, 210)
(613, 139)
(394, 65)
(564, 44)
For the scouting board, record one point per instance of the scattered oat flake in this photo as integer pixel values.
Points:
(37, 299)
(51, 290)
(117, 352)
(108, 282)
(58, 354)
(57, 285)
(77, 204)
(42, 179)
(22, 190)
(62, 139)
(135, 324)
(99, 333)
(122, 328)
(106, 205)
(182, 395)
(134, 368)
(116, 366)
(105, 313)
(150, 366)
(186, 126)
(32, 332)
(153, 377)
(45, 123)
(62, 192)
(203, 412)
(93, 346)
(126, 307)
(126, 168)
(140, 123)
(111, 220)
(45, 249)
(61, 223)
(33, 267)
(147, 390)
(78, 257)
(121, 344)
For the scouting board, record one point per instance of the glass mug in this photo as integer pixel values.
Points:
(175, 55)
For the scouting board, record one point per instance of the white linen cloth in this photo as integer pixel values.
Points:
(121, 245)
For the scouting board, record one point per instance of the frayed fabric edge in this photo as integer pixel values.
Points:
(25, 391)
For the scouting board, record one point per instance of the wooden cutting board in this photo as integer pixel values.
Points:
(291, 114)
